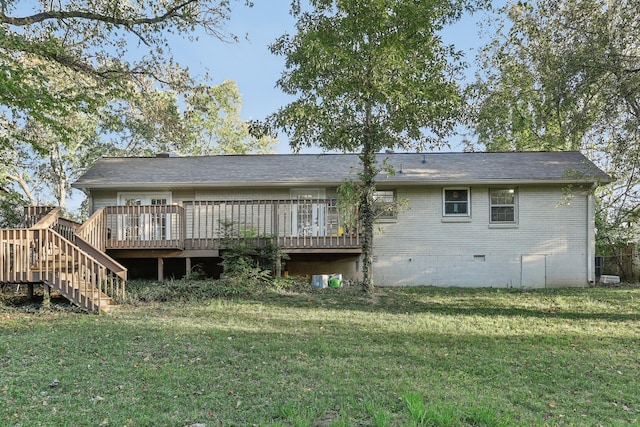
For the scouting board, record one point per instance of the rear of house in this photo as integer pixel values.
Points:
(516, 235)
(464, 219)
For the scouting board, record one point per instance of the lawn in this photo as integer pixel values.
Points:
(407, 356)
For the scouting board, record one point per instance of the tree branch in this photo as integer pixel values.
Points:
(19, 179)
(77, 14)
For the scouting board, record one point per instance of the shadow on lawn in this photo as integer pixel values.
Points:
(465, 302)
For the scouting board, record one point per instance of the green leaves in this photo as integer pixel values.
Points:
(73, 87)
(369, 75)
(563, 75)
(384, 57)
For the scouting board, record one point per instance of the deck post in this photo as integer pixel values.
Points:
(187, 266)
(46, 296)
(160, 269)
(278, 266)
(30, 292)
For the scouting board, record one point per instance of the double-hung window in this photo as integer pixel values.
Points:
(384, 203)
(503, 205)
(456, 202)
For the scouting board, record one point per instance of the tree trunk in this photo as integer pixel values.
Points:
(367, 212)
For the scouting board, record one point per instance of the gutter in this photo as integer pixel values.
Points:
(267, 184)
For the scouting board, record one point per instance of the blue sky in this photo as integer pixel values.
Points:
(250, 63)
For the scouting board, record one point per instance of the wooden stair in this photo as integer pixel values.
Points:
(84, 275)
(83, 294)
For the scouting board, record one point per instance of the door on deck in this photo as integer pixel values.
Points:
(146, 223)
(308, 212)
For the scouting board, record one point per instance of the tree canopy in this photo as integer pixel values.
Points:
(63, 58)
(369, 76)
(565, 75)
(81, 79)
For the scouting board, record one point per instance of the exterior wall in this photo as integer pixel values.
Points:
(550, 246)
(102, 198)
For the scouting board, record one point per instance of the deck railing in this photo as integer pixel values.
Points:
(294, 223)
(40, 254)
(51, 252)
(297, 223)
(144, 227)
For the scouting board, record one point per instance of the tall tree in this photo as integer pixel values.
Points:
(565, 75)
(81, 79)
(59, 58)
(213, 124)
(368, 76)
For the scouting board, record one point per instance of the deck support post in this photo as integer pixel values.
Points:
(30, 292)
(46, 296)
(187, 266)
(160, 269)
(278, 266)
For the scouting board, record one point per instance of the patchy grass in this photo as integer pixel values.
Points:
(408, 356)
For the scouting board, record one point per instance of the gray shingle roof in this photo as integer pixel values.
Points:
(332, 169)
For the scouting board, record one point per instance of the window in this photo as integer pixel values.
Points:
(503, 205)
(384, 203)
(308, 212)
(456, 202)
(141, 222)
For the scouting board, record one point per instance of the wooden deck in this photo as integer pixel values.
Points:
(73, 259)
(48, 253)
(294, 225)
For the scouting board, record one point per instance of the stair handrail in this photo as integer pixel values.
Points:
(94, 230)
(48, 220)
(33, 214)
(46, 249)
(114, 266)
(98, 278)
(92, 235)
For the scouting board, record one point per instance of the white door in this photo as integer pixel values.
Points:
(534, 272)
(307, 214)
(145, 224)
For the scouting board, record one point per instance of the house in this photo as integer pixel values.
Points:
(513, 219)
(470, 219)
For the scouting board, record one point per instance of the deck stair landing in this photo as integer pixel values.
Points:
(51, 252)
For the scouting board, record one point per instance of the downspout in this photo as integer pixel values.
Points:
(591, 237)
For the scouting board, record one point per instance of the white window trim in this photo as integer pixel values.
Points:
(389, 218)
(444, 204)
(504, 224)
(143, 195)
(122, 195)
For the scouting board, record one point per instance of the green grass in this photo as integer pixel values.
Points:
(404, 357)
